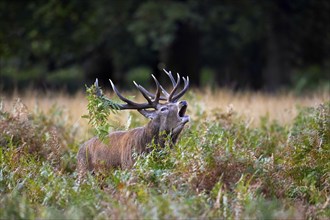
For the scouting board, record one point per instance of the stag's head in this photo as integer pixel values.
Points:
(165, 110)
(170, 117)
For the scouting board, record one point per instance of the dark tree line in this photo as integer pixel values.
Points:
(243, 44)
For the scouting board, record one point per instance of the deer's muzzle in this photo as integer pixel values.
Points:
(182, 111)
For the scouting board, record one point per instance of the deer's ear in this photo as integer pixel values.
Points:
(151, 114)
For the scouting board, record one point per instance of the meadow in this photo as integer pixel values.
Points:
(242, 155)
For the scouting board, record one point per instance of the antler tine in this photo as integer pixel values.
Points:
(164, 92)
(98, 90)
(150, 94)
(157, 95)
(171, 76)
(184, 90)
(130, 104)
(169, 99)
(145, 95)
(119, 95)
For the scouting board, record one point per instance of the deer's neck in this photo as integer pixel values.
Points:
(151, 133)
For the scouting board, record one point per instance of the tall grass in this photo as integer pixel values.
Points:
(242, 156)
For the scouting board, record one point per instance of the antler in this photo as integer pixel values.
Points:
(169, 97)
(152, 99)
(130, 104)
(172, 97)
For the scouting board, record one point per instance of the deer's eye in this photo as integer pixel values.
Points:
(163, 109)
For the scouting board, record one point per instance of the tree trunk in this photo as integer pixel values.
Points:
(278, 67)
(183, 55)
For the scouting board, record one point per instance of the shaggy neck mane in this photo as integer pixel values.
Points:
(150, 133)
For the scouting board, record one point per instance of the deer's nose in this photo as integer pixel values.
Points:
(183, 103)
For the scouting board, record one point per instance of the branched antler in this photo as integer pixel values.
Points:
(152, 99)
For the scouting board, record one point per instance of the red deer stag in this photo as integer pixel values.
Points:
(166, 122)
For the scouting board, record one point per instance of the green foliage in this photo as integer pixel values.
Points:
(311, 78)
(220, 168)
(155, 22)
(51, 37)
(99, 109)
(69, 77)
(309, 149)
(138, 74)
(208, 77)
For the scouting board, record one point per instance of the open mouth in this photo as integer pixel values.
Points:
(183, 105)
(183, 109)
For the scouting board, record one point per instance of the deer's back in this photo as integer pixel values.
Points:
(114, 151)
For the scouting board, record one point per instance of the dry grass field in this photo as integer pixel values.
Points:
(252, 106)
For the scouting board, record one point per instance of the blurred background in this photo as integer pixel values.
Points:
(254, 45)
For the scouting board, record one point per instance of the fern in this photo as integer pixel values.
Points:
(99, 108)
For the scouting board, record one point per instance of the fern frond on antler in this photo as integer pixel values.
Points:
(99, 108)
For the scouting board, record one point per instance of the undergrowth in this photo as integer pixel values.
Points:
(220, 168)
